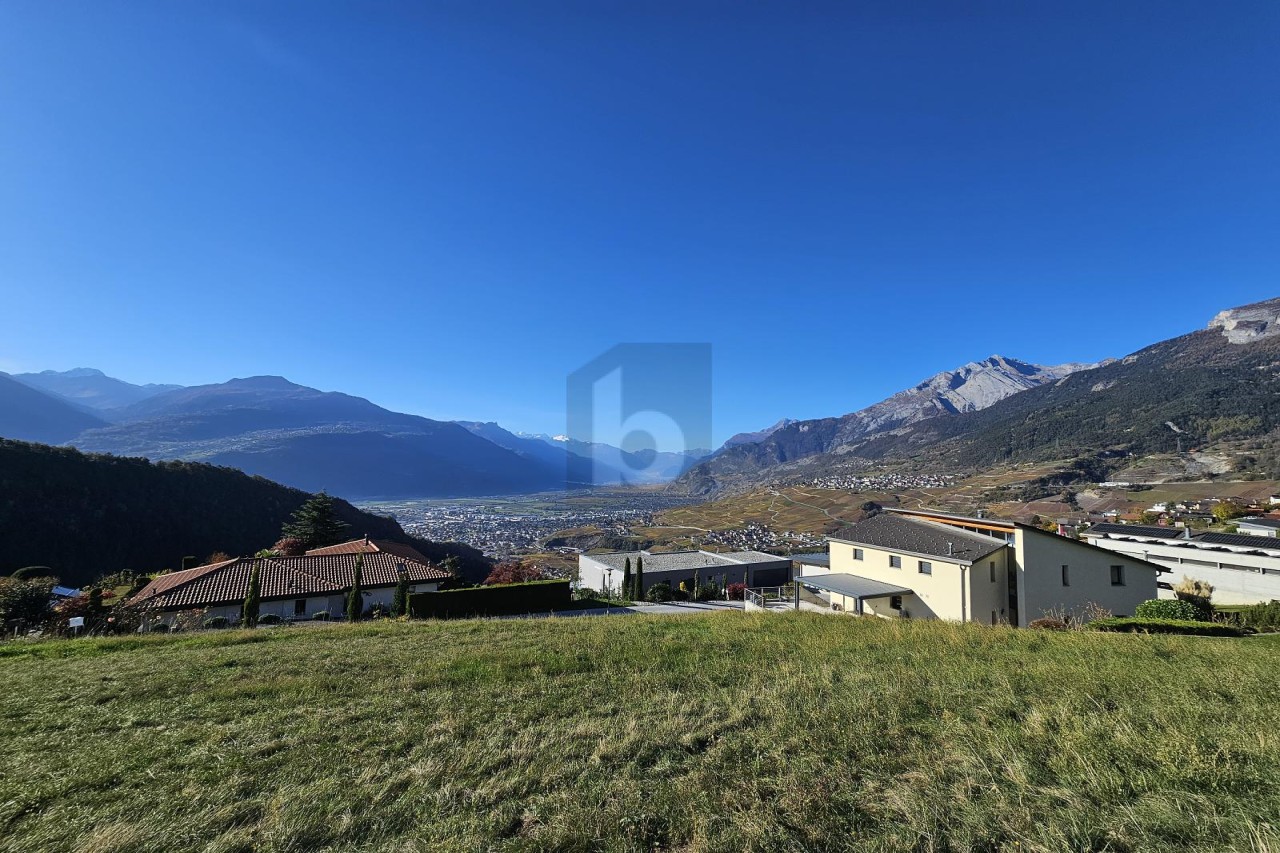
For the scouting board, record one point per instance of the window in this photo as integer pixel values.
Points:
(1066, 581)
(1117, 575)
(857, 553)
(895, 602)
(993, 571)
(926, 568)
(895, 562)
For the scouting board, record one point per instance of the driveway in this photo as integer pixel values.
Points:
(672, 608)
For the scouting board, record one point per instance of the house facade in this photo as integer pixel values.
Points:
(753, 568)
(293, 588)
(929, 565)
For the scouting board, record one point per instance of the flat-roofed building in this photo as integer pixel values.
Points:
(754, 568)
(1243, 569)
(1255, 526)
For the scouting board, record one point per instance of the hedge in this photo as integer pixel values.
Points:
(1260, 617)
(1169, 608)
(1134, 625)
(498, 600)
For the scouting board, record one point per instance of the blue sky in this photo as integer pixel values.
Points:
(448, 207)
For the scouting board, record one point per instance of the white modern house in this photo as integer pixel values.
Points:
(1243, 568)
(754, 568)
(1256, 526)
(921, 564)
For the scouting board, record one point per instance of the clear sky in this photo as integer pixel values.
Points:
(448, 207)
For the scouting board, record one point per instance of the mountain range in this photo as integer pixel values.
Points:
(1205, 389)
(1216, 385)
(91, 389)
(308, 439)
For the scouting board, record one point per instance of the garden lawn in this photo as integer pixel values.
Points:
(724, 732)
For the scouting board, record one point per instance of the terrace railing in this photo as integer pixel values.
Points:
(769, 597)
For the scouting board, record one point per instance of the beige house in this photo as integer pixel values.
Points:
(929, 565)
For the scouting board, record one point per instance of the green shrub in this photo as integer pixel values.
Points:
(322, 616)
(160, 629)
(270, 619)
(216, 622)
(709, 592)
(1169, 608)
(1049, 623)
(1259, 617)
(659, 592)
(1135, 625)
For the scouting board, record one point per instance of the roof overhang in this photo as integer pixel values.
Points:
(852, 586)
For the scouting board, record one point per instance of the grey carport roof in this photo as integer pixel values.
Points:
(853, 586)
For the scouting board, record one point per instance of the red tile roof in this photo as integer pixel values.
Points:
(280, 577)
(372, 546)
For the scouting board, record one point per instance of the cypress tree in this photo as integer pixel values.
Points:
(626, 579)
(316, 523)
(252, 597)
(639, 579)
(400, 604)
(355, 599)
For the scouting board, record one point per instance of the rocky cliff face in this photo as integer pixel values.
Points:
(1249, 322)
(758, 435)
(969, 388)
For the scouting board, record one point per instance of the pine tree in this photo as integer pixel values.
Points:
(626, 579)
(316, 523)
(252, 598)
(400, 604)
(355, 599)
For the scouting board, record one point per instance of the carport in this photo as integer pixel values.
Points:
(854, 587)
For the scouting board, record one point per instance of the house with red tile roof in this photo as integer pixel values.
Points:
(292, 587)
(371, 546)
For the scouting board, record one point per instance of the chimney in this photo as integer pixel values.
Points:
(950, 551)
(366, 540)
(982, 513)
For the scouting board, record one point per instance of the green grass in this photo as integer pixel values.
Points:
(725, 732)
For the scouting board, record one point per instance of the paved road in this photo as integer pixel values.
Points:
(674, 608)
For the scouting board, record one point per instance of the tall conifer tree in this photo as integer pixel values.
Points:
(252, 597)
(355, 600)
(316, 523)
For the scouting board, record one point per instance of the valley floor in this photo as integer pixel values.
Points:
(723, 732)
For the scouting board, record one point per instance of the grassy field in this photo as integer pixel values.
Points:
(728, 732)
